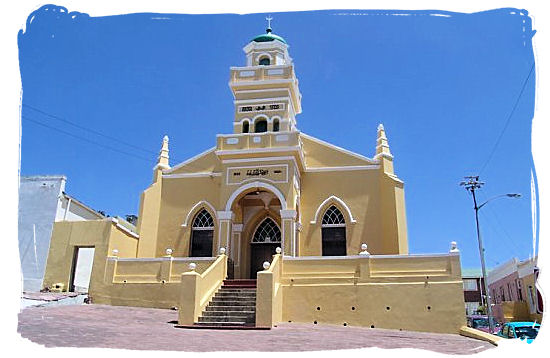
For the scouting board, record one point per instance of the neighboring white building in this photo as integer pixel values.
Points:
(42, 201)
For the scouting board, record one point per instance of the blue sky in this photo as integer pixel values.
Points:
(443, 86)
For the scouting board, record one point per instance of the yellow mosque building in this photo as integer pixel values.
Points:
(270, 225)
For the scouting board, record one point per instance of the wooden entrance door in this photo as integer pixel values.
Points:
(259, 253)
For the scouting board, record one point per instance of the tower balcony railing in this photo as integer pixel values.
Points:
(259, 73)
(258, 140)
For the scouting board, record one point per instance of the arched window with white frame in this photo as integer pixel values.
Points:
(202, 235)
(333, 232)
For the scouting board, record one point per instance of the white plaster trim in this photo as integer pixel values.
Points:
(343, 168)
(237, 228)
(122, 228)
(162, 259)
(288, 214)
(257, 67)
(339, 201)
(260, 100)
(340, 149)
(306, 258)
(259, 150)
(255, 184)
(191, 175)
(291, 81)
(225, 215)
(161, 166)
(385, 155)
(197, 205)
(190, 160)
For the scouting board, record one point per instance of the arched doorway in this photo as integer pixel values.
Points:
(265, 240)
(256, 226)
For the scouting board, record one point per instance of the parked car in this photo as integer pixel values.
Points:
(481, 323)
(523, 330)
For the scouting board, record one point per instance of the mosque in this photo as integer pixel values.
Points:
(269, 225)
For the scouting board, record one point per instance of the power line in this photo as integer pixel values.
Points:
(88, 129)
(86, 139)
(508, 120)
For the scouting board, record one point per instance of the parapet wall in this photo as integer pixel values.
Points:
(410, 292)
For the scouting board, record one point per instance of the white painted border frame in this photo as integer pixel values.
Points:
(339, 201)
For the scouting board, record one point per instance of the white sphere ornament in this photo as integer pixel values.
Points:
(278, 250)
(266, 265)
(454, 247)
(192, 266)
(364, 249)
(169, 252)
(115, 252)
(222, 250)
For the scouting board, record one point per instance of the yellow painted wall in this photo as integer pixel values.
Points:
(420, 293)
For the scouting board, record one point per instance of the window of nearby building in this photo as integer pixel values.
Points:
(502, 296)
(264, 61)
(470, 284)
(520, 294)
(202, 234)
(276, 125)
(333, 233)
(260, 126)
(246, 126)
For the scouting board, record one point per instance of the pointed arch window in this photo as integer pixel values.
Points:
(267, 231)
(260, 125)
(333, 232)
(202, 235)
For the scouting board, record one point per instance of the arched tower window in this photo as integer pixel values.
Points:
(333, 232)
(246, 126)
(202, 235)
(267, 231)
(264, 61)
(260, 125)
(276, 125)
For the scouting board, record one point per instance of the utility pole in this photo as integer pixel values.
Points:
(471, 184)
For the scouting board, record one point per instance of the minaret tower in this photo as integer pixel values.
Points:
(267, 98)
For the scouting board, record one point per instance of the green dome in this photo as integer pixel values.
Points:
(268, 36)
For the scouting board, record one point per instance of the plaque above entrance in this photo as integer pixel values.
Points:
(277, 173)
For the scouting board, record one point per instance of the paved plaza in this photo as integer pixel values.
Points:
(154, 329)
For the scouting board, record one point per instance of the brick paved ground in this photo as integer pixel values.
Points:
(153, 329)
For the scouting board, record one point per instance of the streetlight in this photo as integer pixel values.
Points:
(471, 185)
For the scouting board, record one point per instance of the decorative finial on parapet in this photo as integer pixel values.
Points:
(169, 252)
(364, 250)
(192, 266)
(222, 251)
(278, 250)
(266, 265)
(454, 248)
(382, 146)
(163, 160)
(115, 252)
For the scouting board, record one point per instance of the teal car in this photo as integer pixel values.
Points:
(522, 330)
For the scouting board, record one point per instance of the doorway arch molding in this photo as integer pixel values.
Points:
(255, 185)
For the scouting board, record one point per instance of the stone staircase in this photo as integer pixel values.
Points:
(232, 307)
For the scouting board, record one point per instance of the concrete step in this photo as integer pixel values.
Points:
(221, 324)
(232, 302)
(228, 313)
(233, 298)
(243, 319)
(237, 289)
(230, 308)
(235, 293)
